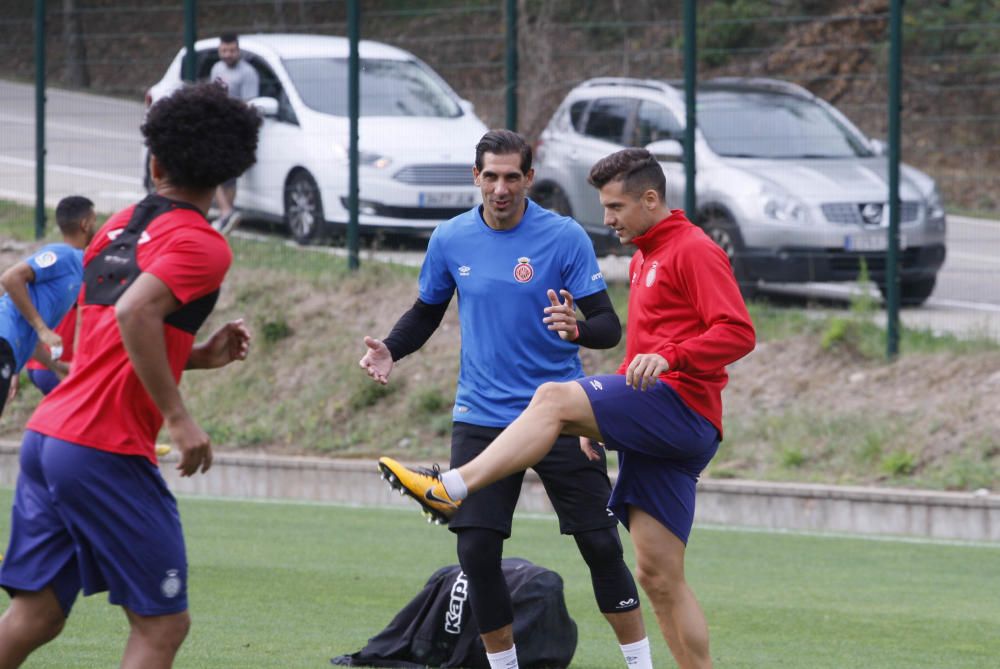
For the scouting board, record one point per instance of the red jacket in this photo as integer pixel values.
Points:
(685, 304)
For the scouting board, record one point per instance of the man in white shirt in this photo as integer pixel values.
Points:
(242, 81)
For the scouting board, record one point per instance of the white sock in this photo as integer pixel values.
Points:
(454, 486)
(637, 655)
(505, 659)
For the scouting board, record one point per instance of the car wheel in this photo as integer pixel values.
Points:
(912, 292)
(726, 234)
(303, 208)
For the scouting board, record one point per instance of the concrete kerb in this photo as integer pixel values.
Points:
(740, 503)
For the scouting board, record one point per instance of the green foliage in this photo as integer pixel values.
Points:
(792, 458)
(276, 329)
(429, 401)
(962, 26)
(725, 25)
(367, 393)
(899, 463)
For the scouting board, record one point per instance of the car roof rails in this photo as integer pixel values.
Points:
(758, 83)
(652, 84)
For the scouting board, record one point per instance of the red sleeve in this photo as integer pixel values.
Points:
(706, 278)
(193, 264)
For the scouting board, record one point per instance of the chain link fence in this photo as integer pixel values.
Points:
(103, 57)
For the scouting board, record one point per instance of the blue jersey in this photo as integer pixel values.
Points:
(502, 277)
(58, 274)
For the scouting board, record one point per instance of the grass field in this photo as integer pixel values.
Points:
(286, 585)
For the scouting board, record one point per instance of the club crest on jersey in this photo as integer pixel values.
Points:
(46, 259)
(523, 271)
(651, 275)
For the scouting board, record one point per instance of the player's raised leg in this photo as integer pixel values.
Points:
(555, 408)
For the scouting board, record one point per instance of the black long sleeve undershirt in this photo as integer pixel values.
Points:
(602, 328)
(414, 328)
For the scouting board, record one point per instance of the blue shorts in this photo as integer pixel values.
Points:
(92, 520)
(663, 446)
(43, 379)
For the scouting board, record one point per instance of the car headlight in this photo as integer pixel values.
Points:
(782, 207)
(366, 158)
(935, 206)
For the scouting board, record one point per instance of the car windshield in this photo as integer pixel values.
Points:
(772, 125)
(388, 88)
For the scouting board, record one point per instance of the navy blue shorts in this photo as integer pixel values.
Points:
(43, 379)
(92, 520)
(663, 446)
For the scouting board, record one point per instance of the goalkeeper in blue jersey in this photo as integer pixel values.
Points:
(520, 272)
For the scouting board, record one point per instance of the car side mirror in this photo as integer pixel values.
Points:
(878, 147)
(467, 106)
(667, 150)
(268, 107)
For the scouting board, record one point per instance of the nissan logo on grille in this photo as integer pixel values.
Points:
(871, 213)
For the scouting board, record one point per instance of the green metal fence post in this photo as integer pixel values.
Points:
(892, 253)
(690, 99)
(511, 65)
(39, 119)
(188, 72)
(353, 110)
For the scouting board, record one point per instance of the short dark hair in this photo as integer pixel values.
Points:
(229, 38)
(637, 169)
(71, 210)
(501, 142)
(201, 136)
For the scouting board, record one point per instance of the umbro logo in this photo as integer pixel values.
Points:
(597, 385)
(464, 270)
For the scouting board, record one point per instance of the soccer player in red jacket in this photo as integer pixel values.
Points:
(662, 409)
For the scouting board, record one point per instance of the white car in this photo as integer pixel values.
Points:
(417, 137)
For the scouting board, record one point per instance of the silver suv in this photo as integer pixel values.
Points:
(786, 184)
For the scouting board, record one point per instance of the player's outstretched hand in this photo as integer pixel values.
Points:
(644, 369)
(561, 316)
(53, 341)
(377, 361)
(587, 446)
(193, 444)
(229, 343)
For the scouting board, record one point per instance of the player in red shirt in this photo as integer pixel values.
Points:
(662, 410)
(91, 510)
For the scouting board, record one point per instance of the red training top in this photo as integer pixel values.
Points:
(102, 403)
(685, 304)
(67, 330)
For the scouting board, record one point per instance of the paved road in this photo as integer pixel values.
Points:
(94, 147)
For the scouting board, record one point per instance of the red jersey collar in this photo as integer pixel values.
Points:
(658, 235)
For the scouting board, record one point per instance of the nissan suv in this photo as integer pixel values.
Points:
(785, 183)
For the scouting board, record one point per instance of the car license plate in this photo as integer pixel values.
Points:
(448, 199)
(879, 242)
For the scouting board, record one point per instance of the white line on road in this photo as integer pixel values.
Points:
(78, 129)
(75, 171)
(980, 222)
(976, 257)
